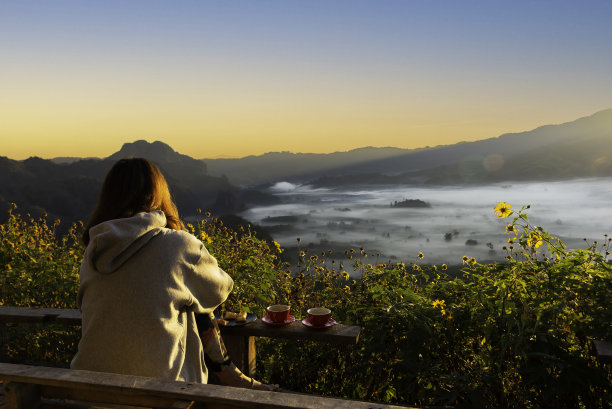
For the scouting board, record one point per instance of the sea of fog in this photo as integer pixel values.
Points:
(363, 217)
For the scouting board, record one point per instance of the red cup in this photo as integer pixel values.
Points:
(278, 312)
(318, 316)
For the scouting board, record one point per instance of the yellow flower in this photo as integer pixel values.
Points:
(503, 210)
(473, 260)
(421, 255)
(278, 247)
(444, 267)
(438, 304)
(345, 275)
(511, 229)
(534, 240)
(205, 238)
(416, 267)
(465, 259)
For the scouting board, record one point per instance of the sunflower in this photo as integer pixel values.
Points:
(438, 304)
(502, 210)
(534, 240)
(511, 229)
(278, 247)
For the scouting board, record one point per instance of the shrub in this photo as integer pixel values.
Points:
(511, 334)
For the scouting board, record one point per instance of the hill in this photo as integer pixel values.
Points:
(275, 166)
(574, 149)
(68, 190)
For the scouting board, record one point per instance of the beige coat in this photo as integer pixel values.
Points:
(141, 285)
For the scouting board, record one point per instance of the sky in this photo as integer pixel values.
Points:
(244, 77)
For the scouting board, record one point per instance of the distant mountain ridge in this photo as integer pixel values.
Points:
(276, 166)
(466, 162)
(68, 190)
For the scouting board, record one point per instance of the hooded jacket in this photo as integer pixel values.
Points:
(141, 285)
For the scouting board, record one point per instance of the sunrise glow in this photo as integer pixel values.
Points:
(230, 79)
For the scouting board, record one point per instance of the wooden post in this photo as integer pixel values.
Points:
(241, 350)
(3, 342)
(21, 396)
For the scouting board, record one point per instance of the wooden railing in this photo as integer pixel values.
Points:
(239, 340)
(28, 386)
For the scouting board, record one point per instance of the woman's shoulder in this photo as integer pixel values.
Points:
(181, 237)
(187, 247)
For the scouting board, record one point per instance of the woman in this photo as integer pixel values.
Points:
(145, 285)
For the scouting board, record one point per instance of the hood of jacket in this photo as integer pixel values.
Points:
(113, 242)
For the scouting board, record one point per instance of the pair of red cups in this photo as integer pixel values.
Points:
(279, 313)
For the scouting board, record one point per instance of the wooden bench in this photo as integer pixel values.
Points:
(239, 340)
(36, 387)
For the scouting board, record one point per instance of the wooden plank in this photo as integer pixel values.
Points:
(22, 314)
(118, 398)
(70, 317)
(603, 350)
(338, 334)
(21, 395)
(26, 314)
(214, 395)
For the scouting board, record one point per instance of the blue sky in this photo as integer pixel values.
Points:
(232, 78)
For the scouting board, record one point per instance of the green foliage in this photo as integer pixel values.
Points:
(253, 264)
(39, 269)
(511, 334)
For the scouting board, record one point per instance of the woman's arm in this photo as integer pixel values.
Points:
(207, 283)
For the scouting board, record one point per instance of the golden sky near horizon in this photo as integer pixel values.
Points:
(234, 79)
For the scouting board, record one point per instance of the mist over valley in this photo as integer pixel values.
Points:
(460, 220)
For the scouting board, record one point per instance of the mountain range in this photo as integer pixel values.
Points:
(581, 148)
(67, 187)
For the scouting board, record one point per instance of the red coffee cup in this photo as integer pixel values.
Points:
(319, 316)
(278, 312)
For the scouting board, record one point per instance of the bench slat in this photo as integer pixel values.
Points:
(23, 314)
(107, 384)
(89, 395)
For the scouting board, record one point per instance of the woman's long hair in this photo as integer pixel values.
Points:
(132, 186)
